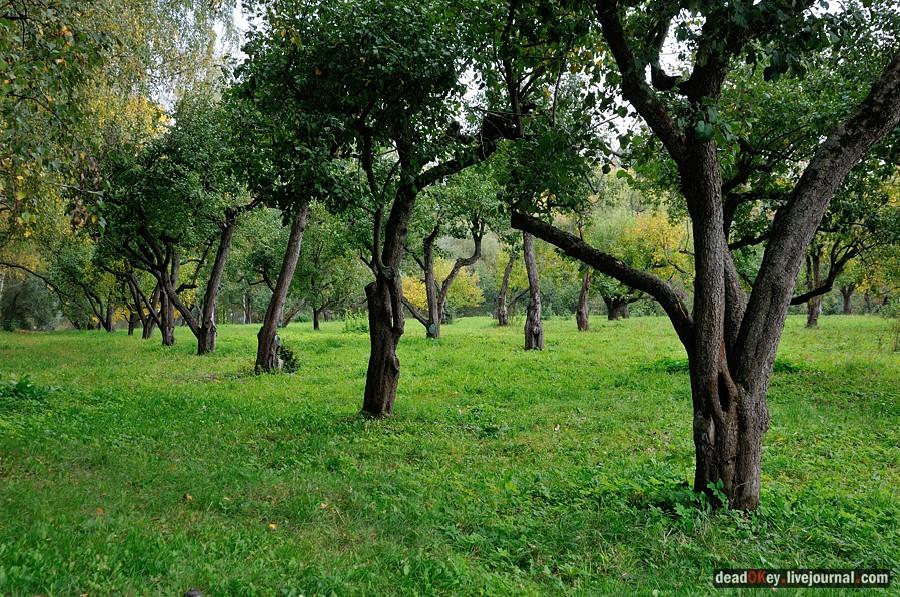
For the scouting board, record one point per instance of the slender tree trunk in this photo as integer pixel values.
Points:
(132, 322)
(813, 281)
(534, 328)
(268, 343)
(847, 294)
(316, 319)
(582, 313)
(206, 337)
(502, 306)
(432, 293)
(248, 308)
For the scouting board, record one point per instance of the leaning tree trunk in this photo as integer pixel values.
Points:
(267, 359)
(582, 313)
(502, 306)
(206, 336)
(847, 295)
(534, 328)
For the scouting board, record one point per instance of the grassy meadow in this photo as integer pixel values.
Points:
(128, 468)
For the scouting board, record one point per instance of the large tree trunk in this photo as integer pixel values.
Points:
(502, 306)
(384, 366)
(582, 312)
(267, 359)
(847, 294)
(729, 423)
(206, 337)
(534, 328)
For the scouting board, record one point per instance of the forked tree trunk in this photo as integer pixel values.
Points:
(582, 313)
(267, 359)
(847, 294)
(534, 328)
(729, 423)
(206, 335)
(502, 302)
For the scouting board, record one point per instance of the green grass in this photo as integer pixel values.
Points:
(133, 469)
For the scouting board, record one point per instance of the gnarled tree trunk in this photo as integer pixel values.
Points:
(616, 307)
(847, 294)
(384, 367)
(534, 328)
(267, 359)
(166, 320)
(582, 312)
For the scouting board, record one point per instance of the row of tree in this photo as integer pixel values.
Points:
(763, 136)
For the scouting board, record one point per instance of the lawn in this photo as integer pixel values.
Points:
(133, 469)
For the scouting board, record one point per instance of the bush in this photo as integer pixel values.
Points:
(289, 361)
(22, 388)
(356, 323)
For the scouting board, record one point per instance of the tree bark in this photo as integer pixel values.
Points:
(316, 319)
(583, 311)
(502, 306)
(206, 337)
(267, 359)
(534, 327)
(847, 294)
(132, 322)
